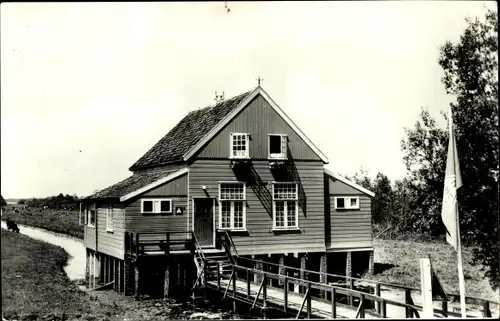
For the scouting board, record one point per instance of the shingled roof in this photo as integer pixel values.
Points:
(187, 133)
(128, 185)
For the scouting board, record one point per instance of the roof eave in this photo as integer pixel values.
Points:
(350, 183)
(137, 168)
(154, 184)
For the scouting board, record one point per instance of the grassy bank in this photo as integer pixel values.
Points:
(35, 286)
(59, 221)
(398, 262)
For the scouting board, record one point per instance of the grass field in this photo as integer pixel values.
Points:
(400, 262)
(59, 221)
(34, 285)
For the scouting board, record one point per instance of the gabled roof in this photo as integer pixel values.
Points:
(348, 182)
(187, 133)
(200, 126)
(137, 183)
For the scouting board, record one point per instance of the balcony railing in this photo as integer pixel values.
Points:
(137, 244)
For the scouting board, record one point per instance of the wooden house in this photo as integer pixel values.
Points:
(243, 167)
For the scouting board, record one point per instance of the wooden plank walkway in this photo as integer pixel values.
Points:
(319, 308)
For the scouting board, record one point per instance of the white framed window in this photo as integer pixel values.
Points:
(285, 206)
(109, 219)
(232, 205)
(91, 215)
(347, 203)
(239, 145)
(156, 206)
(277, 146)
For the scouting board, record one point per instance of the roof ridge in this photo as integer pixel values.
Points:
(187, 133)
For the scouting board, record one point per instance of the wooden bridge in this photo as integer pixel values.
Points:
(293, 291)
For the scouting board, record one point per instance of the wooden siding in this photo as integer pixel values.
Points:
(89, 232)
(177, 187)
(347, 229)
(259, 238)
(111, 243)
(89, 237)
(137, 222)
(259, 120)
(176, 190)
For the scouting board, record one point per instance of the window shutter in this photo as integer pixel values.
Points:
(247, 143)
(284, 141)
(231, 153)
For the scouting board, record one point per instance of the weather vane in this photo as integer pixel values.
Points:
(259, 80)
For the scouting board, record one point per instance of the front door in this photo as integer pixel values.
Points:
(204, 221)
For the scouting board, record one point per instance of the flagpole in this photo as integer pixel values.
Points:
(461, 279)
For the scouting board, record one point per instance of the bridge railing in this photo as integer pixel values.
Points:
(375, 287)
(335, 291)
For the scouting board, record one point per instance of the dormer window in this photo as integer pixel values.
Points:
(277, 146)
(239, 143)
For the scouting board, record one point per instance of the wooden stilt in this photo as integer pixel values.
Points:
(166, 282)
(302, 273)
(110, 271)
(323, 268)
(115, 276)
(348, 273)
(137, 280)
(94, 269)
(87, 268)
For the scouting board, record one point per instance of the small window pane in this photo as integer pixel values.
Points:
(238, 214)
(275, 144)
(280, 213)
(165, 206)
(225, 214)
(291, 213)
(340, 203)
(354, 202)
(147, 206)
(240, 145)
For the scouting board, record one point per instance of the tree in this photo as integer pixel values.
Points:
(382, 203)
(424, 151)
(470, 75)
(2, 201)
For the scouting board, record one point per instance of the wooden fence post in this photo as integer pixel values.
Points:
(334, 307)
(486, 309)
(248, 283)
(426, 283)
(408, 311)
(377, 293)
(308, 300)
(285, 294)
(444, 307)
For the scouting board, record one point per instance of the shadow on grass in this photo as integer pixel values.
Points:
(382, 267)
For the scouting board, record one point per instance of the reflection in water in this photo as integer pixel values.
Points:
(75, 269)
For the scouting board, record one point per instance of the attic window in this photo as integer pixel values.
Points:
(156, 206)
(239, 143)
(347, 203)
(277, 146)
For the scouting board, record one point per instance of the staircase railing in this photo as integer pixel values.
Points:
(229, 246)
(199, 255)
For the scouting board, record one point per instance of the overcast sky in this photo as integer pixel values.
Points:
(88, 88)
